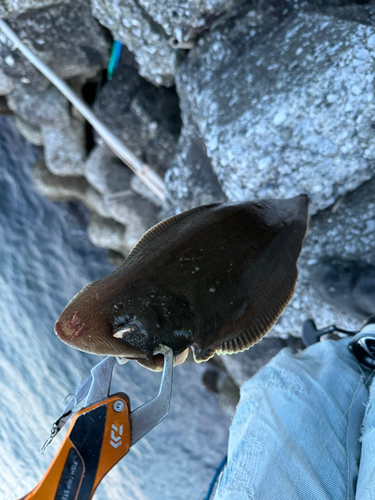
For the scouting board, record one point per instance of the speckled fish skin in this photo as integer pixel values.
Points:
(214, 278)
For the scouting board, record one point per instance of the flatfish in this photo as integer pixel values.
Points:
(214, 278)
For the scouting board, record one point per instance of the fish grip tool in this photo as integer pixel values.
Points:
(101, 433)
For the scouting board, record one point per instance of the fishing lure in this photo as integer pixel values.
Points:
(214, 278)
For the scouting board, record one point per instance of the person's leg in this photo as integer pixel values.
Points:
(295, 434)
(366, 476)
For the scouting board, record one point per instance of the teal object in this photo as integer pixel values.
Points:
(215, 478)
(114, 59)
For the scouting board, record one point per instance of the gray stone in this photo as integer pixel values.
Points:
(229, 395)
(6, 84)
(30, 132)
(105, 172)
(6, 6)
(94, 202)
(349, 285)
(190, 181)
(45, 107)
(67, 188)
(363, 14)
(150, 29)
(344, 230)
(56, 188)
(106, 233)
(185, 20)
(129, 23)
(134, 212)
(139, 187)
(65, 148)
(146, 118)
(260, 105)
(66, 37)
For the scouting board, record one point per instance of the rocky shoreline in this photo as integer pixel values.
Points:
(227, 101)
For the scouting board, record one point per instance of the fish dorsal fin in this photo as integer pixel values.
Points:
(160, 229)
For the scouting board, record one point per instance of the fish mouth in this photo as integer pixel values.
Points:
(136, 334)
(156, 363)
(133, 333)
(130, 337)
(59, 330)
(120, 333)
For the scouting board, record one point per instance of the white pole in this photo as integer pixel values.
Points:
(148, 176)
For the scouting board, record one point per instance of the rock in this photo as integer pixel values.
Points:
(56, 188)
(65, 36)
(229, 395)
(18, 6)
(65, 148)
(130, 24)
(105, 172)
(134, 212)
(349, 285)
(182, 20)
(67, 188)
(146, 118)
(185, 20)
(190, 180)
(154, 30)
(38, 108)
(106, 233)
(139, 187)
(345, 231)
(6, 84)
(287, 111)
(94, 202)
(30, 132)
(363, 14)
(158, 112)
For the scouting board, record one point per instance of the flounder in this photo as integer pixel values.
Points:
(214, 278)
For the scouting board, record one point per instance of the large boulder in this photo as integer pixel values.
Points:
(345, 230)
(18, 6)
(285, 111)
(190, 180)
(185, 20)
(59, 188)
(153, 30)
(32, 133)
(107, 233)
(65, 147)
(133, 211)
(65, 36)
(129, 24)
(105, 172)
(39, 107)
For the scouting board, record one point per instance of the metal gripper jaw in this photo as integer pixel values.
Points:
(147, 416)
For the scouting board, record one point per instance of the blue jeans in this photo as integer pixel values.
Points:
(302, 430)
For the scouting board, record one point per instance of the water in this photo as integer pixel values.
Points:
(45, 258)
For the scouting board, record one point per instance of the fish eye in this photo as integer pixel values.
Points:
(118, 306)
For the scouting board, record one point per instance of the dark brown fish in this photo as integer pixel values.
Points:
(214, 278)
